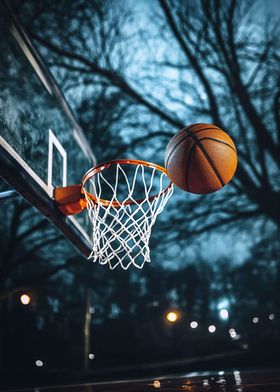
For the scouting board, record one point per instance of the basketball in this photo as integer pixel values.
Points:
(201, 158)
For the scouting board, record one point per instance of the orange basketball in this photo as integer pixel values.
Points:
(201, 158)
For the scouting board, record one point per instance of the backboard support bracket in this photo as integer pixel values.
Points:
(11, 171)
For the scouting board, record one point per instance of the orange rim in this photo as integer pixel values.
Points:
(104, 166)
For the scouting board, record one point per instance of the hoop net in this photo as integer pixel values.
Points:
(122, 224)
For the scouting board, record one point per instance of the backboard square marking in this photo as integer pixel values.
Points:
(53, 141)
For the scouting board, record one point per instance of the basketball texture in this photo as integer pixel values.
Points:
(201, 158)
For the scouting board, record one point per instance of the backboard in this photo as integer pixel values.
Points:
(41, 144)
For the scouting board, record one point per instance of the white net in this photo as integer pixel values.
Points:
(122, 227)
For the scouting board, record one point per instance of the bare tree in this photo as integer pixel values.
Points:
(31, 249)
(202, 61)
(234, 59)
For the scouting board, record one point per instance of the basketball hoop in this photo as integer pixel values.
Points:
(121, 220)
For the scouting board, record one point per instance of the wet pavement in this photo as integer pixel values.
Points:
(234, 381)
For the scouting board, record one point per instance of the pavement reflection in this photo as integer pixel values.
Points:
(234, 381)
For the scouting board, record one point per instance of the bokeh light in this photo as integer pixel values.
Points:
(157, 384)
(256, 320)
(211, 328)
(224, 314)
(25, 299)
(194, 324)
(172, 317)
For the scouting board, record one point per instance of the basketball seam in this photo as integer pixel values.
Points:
(188, 166)
(211, 163)
(219, 141)
(189, 133)
(174, 148)
(188, 129)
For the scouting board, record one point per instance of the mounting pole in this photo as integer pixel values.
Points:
(87, 323)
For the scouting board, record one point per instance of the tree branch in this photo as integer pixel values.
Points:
(192, 59)
(116, 79)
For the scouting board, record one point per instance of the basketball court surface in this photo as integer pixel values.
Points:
(235, 381)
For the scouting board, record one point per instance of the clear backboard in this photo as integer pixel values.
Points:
(41, 144)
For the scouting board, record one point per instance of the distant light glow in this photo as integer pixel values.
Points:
(221, 373)
(194, 324)
(256, 320)
(245, 346)
(224, 314)
(233, 334)
(211, 328)
(237, 377)
(91, 356)
(25, 299)
(91, 310)
(221, 380)
(157, 384)
(172, 317)
(155, 304)
(39, 363)
(271, 316)
(223, 304)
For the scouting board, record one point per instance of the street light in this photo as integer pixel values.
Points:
(172, 317)
(25, 299)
